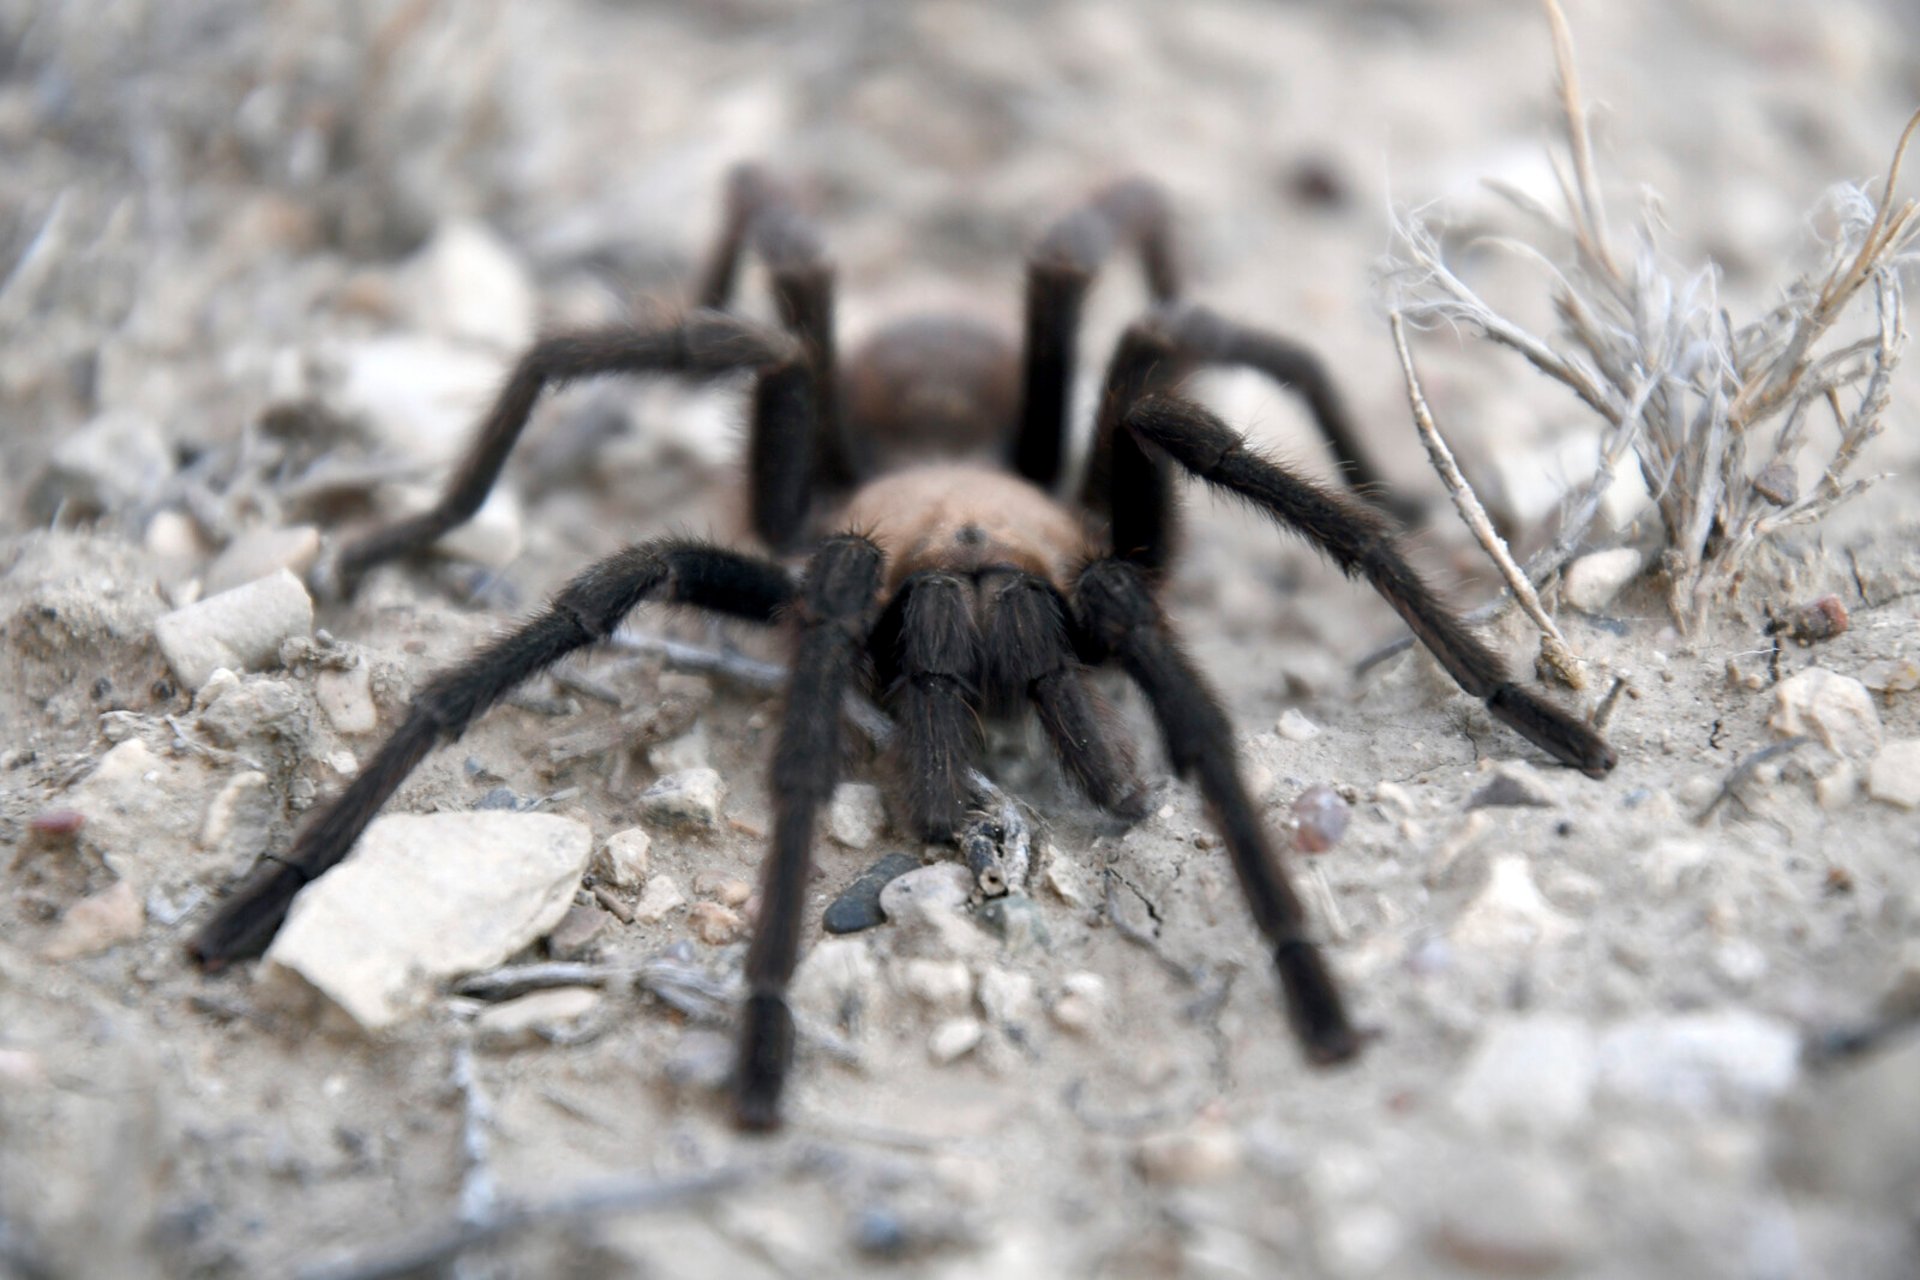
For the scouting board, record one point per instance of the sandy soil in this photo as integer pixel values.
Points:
(209, 214)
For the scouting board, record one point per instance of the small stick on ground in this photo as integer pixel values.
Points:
(1555, 653)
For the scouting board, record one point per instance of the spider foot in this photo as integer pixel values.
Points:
(766, 1055)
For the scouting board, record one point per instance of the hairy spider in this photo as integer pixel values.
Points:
(917, 479)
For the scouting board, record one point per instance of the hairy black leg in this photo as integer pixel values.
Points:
(701, 345)
(1029, 657)
(1124, 481)
(585, 610)
(762, 217)
(930, 652)
(1116, 609)
(1361, 541)
(835, 611)
(1202, 337)
(1059, 273)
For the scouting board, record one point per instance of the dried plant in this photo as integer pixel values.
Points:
(1716, 415)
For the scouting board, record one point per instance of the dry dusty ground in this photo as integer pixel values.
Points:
(208, 212)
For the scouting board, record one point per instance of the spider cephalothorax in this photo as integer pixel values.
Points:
(918, 480)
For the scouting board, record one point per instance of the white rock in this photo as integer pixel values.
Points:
(1534, 1074)
(943, 986)
(421, 395)
(144, 813)
(531, 1018)
(688, 751)
(241, 629)
(623, 862)
(118, 460)
(1206, 1151)
(1592, 581)
(714, 923)
(250, 707)
(97, 922)
(1295, 727)
(466, 283)
(954, 1038)
(1510, 912)
(259, 552)
(942, 888)
(425, 897)
(856, 816)
(1835, 709)
(1895, 775)
(346, 699)
(661, 897)
(688, 799)
(1727, 1059)
(172, 535)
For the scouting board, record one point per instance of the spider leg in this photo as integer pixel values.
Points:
(586, 610)
(702, 344)
(1059, 273)
(1361, 541)
(929, 647)
(762, 217)
(1030, 656)
(1156, 352)
(1115, 607)
(835, 609)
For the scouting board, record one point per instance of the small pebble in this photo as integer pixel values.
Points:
(241, 629)
(97, 923)
(942, 888)
(577, 932)
(1295, 727)
(1320, 818)
(468, 284)
(1835, 709)
(688, 799)
(858, 907)
(1727, 1060)
(954, 1038)
(1894, 777)
(1824, 619)
(943, 986)
(530, 1019)
(856, 817)
(1591, 582)
(662, 896)
(1205, 1152)
(624, 859)
(714, 924)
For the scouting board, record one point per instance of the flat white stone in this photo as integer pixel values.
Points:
(346, 699)
(1895, 775)
(425, 897)
(241, 629)
(1592, 581)
(662, 897)
(525, 1020)
(691, 798)
(1835, 709)
(1726, 1059)
(624, 861)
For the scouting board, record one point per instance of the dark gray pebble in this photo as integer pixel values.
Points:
(859, 907)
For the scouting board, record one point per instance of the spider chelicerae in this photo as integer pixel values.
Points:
(916, 486)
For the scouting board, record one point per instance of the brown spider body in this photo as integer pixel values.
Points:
(944, 568)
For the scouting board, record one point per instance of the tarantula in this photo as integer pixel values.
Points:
(918, 481)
